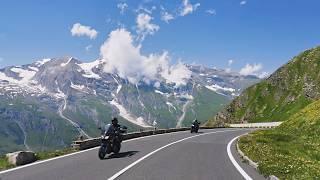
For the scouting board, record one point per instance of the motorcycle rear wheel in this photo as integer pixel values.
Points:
(116, 148)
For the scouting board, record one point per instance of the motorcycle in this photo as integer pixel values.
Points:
(111, 140)
(195, 128)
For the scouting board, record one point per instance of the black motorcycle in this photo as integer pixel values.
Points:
(111, 139)
(195, 127)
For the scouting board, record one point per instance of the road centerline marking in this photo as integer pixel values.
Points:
(119, 173)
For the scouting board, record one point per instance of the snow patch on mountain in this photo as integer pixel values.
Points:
(60, 94)
(185, 96)
(33, 68)
(125, 114)
(119, 88)
(64, 64)
(171, 105)
(119, 85)
(216, 87)
(77, 87)
(24, 74)
(159, 92)
(42, 62)
(4, 77)
(184, 111)
(162, 93)
(87, 68)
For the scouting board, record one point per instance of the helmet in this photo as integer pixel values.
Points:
(114, 121)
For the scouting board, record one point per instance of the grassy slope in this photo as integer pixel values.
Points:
(285, 92)
(291, 151)
(12, 140)
(4, 163)
(206, 104)
(46, 131)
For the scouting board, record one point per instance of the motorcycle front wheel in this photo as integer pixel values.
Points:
(102, 152)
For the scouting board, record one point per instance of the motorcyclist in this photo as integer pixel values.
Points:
(115, 127)
(112, 138)
(196, 123)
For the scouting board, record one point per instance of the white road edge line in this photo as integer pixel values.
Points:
(159, 149)
(75, 153)
(234, 162)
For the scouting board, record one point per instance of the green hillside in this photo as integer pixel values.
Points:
(25, 118)
(206, 104)
(285, 92)
(290, 151)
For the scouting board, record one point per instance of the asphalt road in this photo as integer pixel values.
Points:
(168, 156)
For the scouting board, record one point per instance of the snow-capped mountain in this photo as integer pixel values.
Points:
(49, 102)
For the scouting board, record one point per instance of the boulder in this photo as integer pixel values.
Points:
(21, 157)
(272, 177)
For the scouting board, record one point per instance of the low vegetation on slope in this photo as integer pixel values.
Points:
(290, 151)
(284, 93)
(4, 163)
(202, 107)
(25, 122)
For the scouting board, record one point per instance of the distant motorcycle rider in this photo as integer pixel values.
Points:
(196, 122)
(195, 126)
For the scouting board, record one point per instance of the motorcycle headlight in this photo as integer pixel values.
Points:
(104, 137)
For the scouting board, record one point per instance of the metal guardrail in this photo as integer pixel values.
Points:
(256, 125)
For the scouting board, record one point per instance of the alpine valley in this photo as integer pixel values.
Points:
(47, 104)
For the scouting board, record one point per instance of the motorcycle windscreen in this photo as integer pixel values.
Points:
(108, 129)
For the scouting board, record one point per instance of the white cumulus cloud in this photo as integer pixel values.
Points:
(188, 8)
(166, 17)
(142, 9)
(144, 26)
(242, 3)
(253, 69)
(122, 7)
(250, 69)
(211, 11)
(124, 58)
(230, 62)
(81, 30)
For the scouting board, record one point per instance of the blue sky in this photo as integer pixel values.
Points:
(265, 33)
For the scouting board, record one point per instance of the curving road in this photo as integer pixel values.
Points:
(180, 155)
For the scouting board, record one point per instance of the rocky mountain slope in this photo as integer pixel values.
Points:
(46, 104)
(284, 93)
